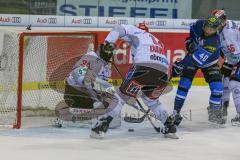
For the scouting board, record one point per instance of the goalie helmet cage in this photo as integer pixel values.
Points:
(33, 66)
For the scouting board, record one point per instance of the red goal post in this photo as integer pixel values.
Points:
(41, 60)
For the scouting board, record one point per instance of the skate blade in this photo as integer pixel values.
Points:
(95, 135)
(217, 125)
(171, 135)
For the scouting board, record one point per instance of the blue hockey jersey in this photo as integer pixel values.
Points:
(207, 49)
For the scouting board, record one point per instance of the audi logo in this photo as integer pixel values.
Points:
(16, 19)
(161, 23)
(87, 21)
(122, 21)
(52, 20)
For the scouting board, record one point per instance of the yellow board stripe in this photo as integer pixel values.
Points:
(31, 86)
(196, 82)
(115, 82)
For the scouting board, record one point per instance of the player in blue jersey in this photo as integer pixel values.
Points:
(203, 46)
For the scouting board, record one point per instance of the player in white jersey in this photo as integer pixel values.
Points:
(230, 44)
(87, 91)
(149, 74)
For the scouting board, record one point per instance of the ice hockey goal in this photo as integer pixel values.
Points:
(33, 66)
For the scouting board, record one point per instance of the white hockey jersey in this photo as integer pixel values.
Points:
(230, 42)
(145, 48)
(76, 76)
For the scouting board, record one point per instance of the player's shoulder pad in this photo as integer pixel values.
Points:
(131, 29)
(92, 53)
(196, 29)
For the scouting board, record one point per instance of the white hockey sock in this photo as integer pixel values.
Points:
(226, 90)
(235, 89)
(157, 108)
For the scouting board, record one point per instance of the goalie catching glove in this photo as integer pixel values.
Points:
(106, 51)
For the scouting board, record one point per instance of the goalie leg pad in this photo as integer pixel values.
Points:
(77, 98)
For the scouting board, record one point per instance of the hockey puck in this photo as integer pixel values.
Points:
(130, 130)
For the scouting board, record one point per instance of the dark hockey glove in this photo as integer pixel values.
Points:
(226, 69)
(106, 51)
(190, 44)
(177, 69)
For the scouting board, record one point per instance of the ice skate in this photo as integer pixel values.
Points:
(215, 116)
(170, 130)
(236, 120)
(58, 123)
(101, 127)
(177, 118)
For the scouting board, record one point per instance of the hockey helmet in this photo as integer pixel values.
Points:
(211, 25)
(221, 14)
(142, 26)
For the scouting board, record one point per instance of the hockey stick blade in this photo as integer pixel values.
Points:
(136, 120)
(133, 120)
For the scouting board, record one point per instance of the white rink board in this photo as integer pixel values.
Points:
(198, 140)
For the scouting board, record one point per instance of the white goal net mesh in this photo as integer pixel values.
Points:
(47, 60)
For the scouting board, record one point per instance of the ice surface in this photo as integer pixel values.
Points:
(198, 139)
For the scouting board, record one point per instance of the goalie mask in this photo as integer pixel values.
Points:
(106, 51)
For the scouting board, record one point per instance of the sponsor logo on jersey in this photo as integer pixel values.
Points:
(156, 48)
(159, 58)
(133, 88)
(210, 48)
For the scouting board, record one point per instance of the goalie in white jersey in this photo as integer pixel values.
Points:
(149, 74)
(88, 94)
(230, 44)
